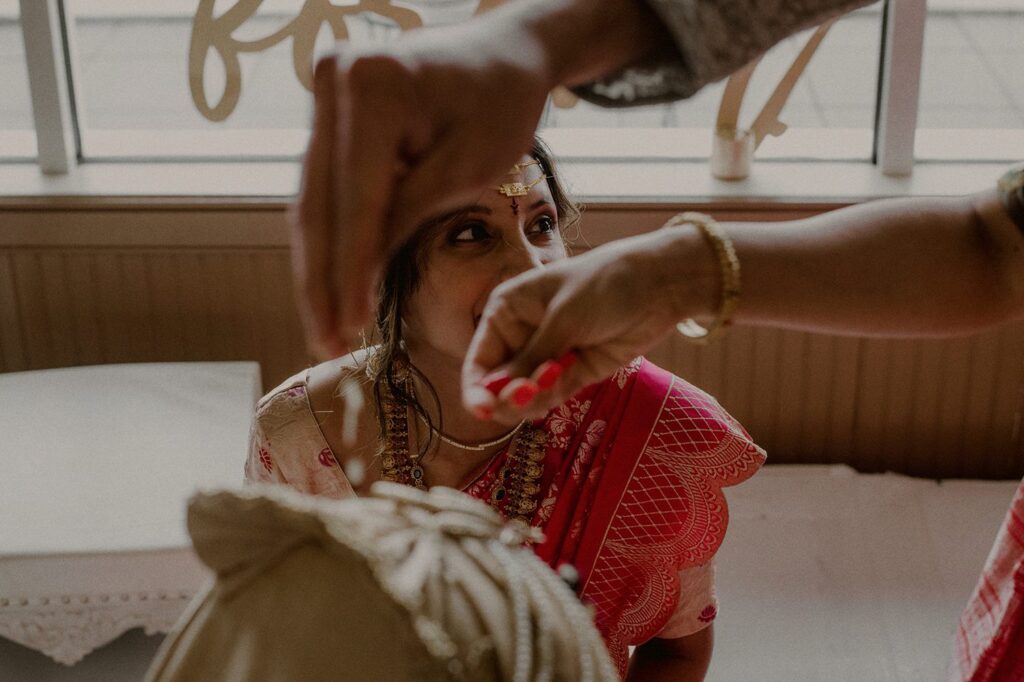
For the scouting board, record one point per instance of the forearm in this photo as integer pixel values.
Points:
(652, 663)
(681, 45)
(687, 43)
(717, 37)
(586, 39)
(908, 267)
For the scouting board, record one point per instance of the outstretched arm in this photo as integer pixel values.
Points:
(902, 267)
(413, 127)
(684, 659)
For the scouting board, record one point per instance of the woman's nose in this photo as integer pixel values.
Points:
(519, 258)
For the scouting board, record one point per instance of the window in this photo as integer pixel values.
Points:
(972, 84)
(132, 96)
(134, 90)
(830, 112)
(17, 134)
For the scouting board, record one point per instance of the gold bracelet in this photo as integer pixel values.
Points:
(729, 266)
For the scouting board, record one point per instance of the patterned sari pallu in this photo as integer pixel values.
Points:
(630, 493)
(641, 499)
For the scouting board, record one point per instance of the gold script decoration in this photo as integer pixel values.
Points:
(216, 33)
(767, 121)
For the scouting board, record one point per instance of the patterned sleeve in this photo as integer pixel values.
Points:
(287, 445)
(713, 38)
(259, 465)
(697, 605)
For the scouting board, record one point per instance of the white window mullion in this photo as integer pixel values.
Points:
(48, 84)
(900, 86)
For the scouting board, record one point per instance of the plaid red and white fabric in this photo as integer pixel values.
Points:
(990, 639)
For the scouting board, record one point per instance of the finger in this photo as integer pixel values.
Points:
(453, 174)
(372, 104)
(512, 408)
(555, 335)
(508, 412)
(309, 219)
(510, 318)
(549, 372)
(591, 366)
(519, 393)
(486, 352)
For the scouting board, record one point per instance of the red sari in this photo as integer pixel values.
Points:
(990, 639)
(633, 478)
(630, 493)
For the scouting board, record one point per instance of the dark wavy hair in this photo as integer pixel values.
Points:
(387, 362)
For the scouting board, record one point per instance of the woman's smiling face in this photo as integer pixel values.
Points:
(492, 240)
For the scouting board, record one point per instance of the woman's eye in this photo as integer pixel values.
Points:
(544, 225)
(470, 233)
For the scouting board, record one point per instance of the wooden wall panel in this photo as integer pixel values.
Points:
(84, 306)
(819, 357)
(12, 345)
(102, 286)
(844, 388)
(1005, 415)
(939, 408)
(168, 329)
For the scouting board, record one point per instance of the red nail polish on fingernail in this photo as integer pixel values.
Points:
(567, 359)
(548, 374)
(484, 413)
(497, 381)
(522, 396)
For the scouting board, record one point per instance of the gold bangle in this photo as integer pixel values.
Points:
(729, 266)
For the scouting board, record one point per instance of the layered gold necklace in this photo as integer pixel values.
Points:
(515, 494)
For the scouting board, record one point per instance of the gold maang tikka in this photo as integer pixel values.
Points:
(514, 190)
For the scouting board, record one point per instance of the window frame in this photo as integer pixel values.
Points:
(49, 41)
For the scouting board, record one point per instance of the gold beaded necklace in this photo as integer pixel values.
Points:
(517, 491)
(472, 447)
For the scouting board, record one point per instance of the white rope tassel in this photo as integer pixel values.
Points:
(545, 623)
(354, 468)
(523, 655)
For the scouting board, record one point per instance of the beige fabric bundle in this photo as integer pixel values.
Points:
(400, 585)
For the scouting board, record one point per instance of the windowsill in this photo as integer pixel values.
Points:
(602, 166)
(595, 182)
(99, 9)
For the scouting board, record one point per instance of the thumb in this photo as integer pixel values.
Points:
(441, 181)
(511, 317)
(555, 336)
(487, 351)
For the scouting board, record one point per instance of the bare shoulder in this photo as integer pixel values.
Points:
(326, 390)
(324, 381)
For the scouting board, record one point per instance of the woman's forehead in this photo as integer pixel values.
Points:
(493, 201)
(524, 183)
(527, 170)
